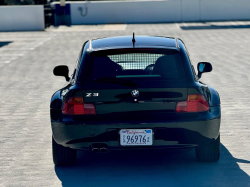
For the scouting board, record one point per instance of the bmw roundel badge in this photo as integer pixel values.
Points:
(135, 93)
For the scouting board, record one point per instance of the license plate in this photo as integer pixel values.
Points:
(136, 137)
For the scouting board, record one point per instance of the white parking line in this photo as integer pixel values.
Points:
(7, 61)
(116, 27)
(233, 23)
(240, 23)
(82, 28)
(16, 49)
(19, 46)
(25, 43)
(177, 25)
(21, 39)
(11, 54)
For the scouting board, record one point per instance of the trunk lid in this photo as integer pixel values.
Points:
(122, 100)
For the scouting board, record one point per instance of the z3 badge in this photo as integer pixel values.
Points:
(92, 94)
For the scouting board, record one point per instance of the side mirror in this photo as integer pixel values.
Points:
(62, 70)
(203, 67)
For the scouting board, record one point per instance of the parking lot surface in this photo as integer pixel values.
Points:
(27, 83)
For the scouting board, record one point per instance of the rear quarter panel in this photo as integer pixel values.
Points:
(194, 86)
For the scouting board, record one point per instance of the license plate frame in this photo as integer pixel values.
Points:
(148, 133)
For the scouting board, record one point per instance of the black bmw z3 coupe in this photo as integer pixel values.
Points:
(134, 92)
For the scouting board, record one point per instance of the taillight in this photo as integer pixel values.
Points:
(194, 103)
(76, 106)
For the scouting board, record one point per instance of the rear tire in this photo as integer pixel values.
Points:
(209, 153)
(63, 156)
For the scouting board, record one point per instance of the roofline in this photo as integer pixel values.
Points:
(90, 49)
(135, 36)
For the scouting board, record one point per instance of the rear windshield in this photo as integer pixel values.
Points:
(130, 69)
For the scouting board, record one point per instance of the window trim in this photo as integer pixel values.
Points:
(190, 63)
(76, 69)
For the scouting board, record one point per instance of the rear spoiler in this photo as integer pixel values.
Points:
(129, 49)
(136, 47)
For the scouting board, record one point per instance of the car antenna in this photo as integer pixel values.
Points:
(133, 40)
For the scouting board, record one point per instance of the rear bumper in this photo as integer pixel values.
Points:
(186, 133)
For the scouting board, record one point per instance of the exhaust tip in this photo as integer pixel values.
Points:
(95, 150)
(103, 149)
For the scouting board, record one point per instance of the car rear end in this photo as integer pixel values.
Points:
(134, 98)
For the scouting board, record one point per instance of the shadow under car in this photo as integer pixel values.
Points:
(152, 168)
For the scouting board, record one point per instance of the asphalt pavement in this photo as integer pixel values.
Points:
(27, 83)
